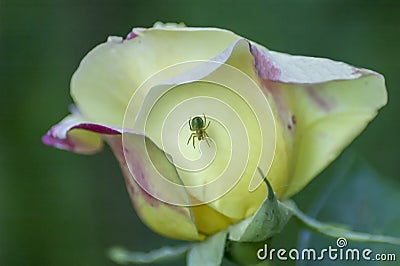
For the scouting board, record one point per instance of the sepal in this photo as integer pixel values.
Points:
(269, 220)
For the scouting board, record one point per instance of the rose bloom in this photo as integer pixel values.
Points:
(291, 116)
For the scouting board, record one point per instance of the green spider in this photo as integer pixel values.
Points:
(198, 125)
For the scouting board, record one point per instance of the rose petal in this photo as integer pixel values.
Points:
(320, 106)
(166, 219)
(285, 68)
(239, 202)
(76, 134)
(209, 220)
(111, 72)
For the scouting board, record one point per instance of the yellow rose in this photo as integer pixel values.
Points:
(246, 107)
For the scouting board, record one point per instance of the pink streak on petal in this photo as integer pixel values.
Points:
(133, 187)
(97, 128)
(58, 136)
(134, 160)
(264, 66)
(318, 100)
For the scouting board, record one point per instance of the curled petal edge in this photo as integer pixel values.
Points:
(77, 135)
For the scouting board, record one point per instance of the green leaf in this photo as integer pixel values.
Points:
(337, 231)
(362, 199)
(269, 220)
(209, 252)
(123, 256)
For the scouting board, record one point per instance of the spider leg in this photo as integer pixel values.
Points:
(206, 136)
(193, 142)
(190, 126)
(207, 142)
(205, 119)
(207, 125)
(191, 136)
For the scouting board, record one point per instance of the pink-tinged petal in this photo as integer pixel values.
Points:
(285, 68)
(166, 219)
(320, 107)
(76, 134)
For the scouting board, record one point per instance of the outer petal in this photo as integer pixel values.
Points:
(163, 218)
(320, 106)
(111, 72)
(76, 134)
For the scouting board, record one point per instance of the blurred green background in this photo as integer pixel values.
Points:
(59, 208)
